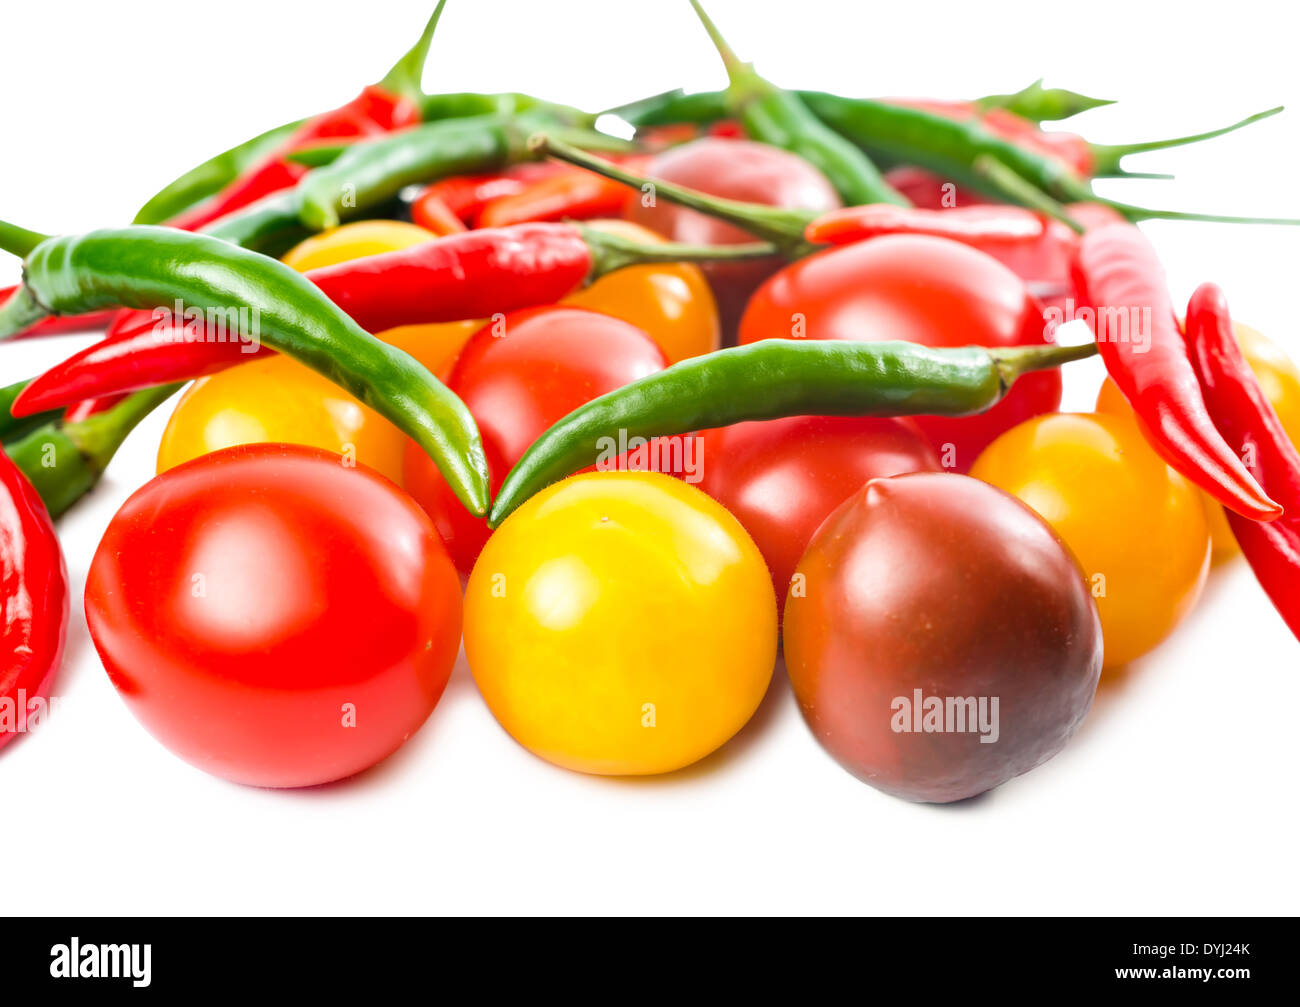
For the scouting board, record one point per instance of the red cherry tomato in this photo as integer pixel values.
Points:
(274, 617)
(518, 375)
(919, 289)
(936, 588)
(734, 169)
(781, 478)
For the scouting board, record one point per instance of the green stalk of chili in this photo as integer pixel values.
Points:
(259, 298)
(12, 427)
(377, 171)
(779, 118)
(64, 461)
(771, 379)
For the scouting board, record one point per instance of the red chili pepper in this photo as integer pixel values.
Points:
(434, 215)
(466, 195)
(971, 225)
(470, 275)
(1119, 276)
(60, 324)
(1245, 418)
(373, 112)
(574, 195)
(33, 600)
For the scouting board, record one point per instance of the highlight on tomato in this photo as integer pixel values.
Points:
(1136, 527)
(918, 289)
(939, 639)
(781, 478)
(518, 375)
(621, 623)
(273, 617)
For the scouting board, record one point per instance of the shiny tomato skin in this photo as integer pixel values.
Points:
(733, 169)
(919, 289)
(248, 604)
(781, 478)
(940, 583)
(518, 375)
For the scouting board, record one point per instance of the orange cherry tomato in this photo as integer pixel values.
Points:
(1279, 378)
(1135, 526)
(672, 302)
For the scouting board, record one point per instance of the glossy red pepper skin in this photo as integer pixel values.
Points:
(1247, 420)
(33, 600)
(1118, 274)
(373, 112)
(470, 275)
(466, 195)
(573, 195)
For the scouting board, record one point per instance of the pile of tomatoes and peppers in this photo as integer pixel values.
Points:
(778, 372)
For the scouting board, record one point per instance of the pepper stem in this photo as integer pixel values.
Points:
(20, 312)
(1013, 362)
(782, 228)
(1106, 156)
(18, 240)
(1012, 187)
(611, 251)
(101, 434)
(405, 77)
(1136, 213)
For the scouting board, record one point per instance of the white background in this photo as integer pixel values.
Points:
(1178, 795)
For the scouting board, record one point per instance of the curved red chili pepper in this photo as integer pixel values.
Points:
(372, 112)
(1120, 277)
(470, 275)
(1246, 418)
(33, 601)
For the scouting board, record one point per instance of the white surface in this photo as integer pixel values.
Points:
(1178, 796)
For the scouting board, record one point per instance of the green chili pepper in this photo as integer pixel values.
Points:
(64, 461)
(779, 118)
(377, 171)
(671, 107)
(212, 175)
(1043, 104)
(260, 298)
(771, 379)
(462, 105)
(13, 427)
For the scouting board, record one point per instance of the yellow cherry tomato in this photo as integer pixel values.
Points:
(672, 302)
(352, 241)
(278, 399)
(621, 623)
(1135, 526)
(1280, 380)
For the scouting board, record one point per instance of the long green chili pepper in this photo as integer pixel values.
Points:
(779, 118)
(772, 379)
(212, 175)
(256, 297)
(1035, 103)
(13, 427)
(1043, 104)
(367, 176)
(64, 461)
(950, 148)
